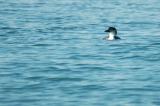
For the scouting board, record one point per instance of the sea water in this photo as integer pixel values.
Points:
(52, 53)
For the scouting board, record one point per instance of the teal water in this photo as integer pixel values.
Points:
(52, 53)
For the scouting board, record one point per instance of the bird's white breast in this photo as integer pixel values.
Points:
(111, 36)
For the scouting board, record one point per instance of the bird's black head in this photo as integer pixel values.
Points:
(111, 29)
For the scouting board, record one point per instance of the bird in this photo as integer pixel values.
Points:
(111, 34)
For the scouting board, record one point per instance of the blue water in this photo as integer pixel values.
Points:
(52, 53)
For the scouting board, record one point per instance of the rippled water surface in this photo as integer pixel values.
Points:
(52, 53)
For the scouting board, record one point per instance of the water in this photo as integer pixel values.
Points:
(52, 53)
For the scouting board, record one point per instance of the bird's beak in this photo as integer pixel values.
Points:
(106, 30)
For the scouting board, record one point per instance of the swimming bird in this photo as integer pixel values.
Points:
(112, 34)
